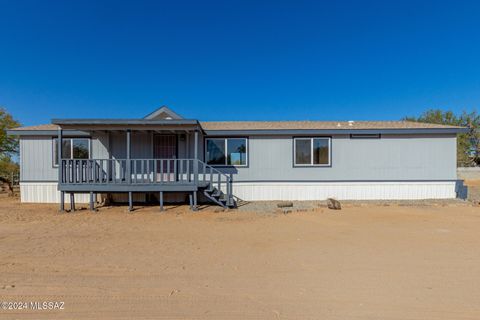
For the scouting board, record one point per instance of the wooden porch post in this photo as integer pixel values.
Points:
(72, 202)
(195, 155)
(129, 163)
(129, 170)
(130, 201)
(161, 200)
(92, 206)
(60, 170)
(187, 142)
(195, 170)
(62, 201)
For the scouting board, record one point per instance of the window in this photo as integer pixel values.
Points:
(226, 151)
(311, 151)
(72, 148)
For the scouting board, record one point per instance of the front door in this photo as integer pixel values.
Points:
(165, 147)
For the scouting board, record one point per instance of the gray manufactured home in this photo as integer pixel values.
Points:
(164, 156)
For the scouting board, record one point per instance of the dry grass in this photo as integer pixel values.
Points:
(363, 262)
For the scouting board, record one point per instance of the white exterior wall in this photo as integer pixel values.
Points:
(46, 192)
(344, 190)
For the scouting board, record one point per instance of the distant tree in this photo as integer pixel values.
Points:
(468, 144)
(8, 168)
(8, 145)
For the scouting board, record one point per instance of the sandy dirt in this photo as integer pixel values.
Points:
(363, 262)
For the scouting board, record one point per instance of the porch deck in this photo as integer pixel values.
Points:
(144, 175)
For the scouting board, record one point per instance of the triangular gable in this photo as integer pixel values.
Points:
(163, 113)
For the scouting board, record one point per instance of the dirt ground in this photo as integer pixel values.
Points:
(375, 261)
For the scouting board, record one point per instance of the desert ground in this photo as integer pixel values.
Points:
(366, 261)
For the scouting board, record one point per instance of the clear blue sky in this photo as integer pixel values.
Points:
(238, 60)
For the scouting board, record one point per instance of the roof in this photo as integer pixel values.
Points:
(40, 127)
(249, 126)
(124, 122)
(319, 125)
(163, 113)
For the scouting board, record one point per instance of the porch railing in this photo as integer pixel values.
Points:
(143, 171)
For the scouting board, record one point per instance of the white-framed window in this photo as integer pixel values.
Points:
(226, 151)
(312, 151)
(72, 148)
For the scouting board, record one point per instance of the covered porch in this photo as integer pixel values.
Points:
(139, 156)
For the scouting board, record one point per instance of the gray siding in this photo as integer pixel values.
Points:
(36, 156)
(142, 145)
(36, 159)
(394, 157)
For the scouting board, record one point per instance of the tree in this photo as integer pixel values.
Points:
(8, 168)
(8, 145)
(468, 144)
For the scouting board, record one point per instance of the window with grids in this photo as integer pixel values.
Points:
(226, 151)
(72, 148)
(311, 151)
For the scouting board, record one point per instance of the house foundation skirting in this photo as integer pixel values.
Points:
(395, 190)
(46, 192)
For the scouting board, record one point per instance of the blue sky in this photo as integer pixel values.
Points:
(238, 60)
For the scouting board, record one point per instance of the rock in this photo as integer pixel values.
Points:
(8, 286)
(333, 204)
(285, 204)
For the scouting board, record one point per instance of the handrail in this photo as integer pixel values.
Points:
(144, 170)
(214, 169)
(228, 181)
(124, 159)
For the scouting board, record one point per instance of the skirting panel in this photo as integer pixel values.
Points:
(46, 192)
(260, 191)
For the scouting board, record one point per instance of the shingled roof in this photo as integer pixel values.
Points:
(39, 127)
(318, 125)
(290, 125)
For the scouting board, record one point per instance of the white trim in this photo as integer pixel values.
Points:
(397, 190)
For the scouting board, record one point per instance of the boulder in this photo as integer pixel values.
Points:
(333, 204)
(285, 204)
